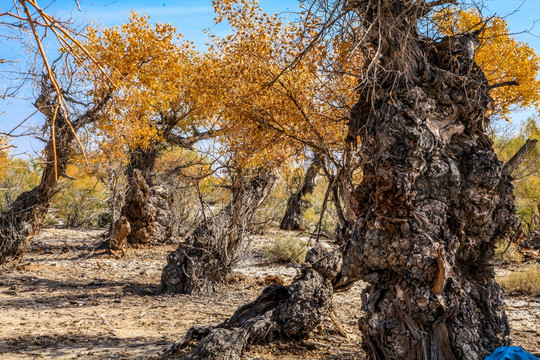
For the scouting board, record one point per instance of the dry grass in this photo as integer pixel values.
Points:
(512, 255)
(526, 281)
(287, 249)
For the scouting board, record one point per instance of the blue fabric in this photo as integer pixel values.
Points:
(511, 353)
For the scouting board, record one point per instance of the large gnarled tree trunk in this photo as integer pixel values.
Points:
(147, 207)
(146, 216)
(297, 203)
(202, 262)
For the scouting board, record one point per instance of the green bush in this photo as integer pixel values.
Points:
(285, 250)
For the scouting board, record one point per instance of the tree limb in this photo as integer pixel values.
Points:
(188, 142)
(506, 83)
(519, 157)
(441, 2)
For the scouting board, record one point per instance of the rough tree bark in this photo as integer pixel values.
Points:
(434, 198)
(202, 262)
(23, 218)
(297, 203)
(147, 206)
(280, 312)
(148, 201)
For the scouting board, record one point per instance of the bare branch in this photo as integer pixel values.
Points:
(519, 157)
(441, 2)
(506, 83)
(188, 142)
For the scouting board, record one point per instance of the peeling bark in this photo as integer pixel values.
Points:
(202, 262)
(279, 313)
(297, 203)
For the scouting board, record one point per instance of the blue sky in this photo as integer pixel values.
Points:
(191, 17)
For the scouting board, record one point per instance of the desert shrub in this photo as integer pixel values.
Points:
(51, 220)
(195, 187)
(287, 249)
(526, 281)
(80, 207)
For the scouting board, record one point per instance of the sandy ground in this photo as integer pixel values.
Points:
(71, 301)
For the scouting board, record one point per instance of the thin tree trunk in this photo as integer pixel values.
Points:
(23, 218)
(297, 203)
(204, 260)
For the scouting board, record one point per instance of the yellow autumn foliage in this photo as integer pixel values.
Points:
(501, 57)
(272, 110)
(4, 153)
(155, 83)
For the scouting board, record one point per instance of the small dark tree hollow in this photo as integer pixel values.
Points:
(204, 260)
